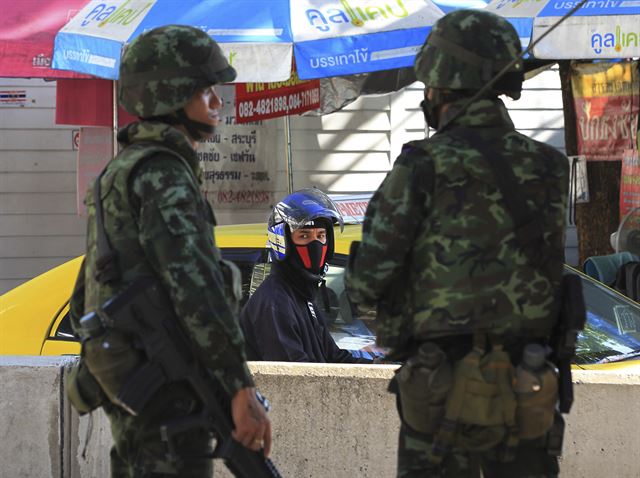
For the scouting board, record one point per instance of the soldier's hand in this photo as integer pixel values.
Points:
(252, 427)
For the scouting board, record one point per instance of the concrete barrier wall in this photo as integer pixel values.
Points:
(328, 420)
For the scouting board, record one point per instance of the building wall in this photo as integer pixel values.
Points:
(349, 151)
(39, 228)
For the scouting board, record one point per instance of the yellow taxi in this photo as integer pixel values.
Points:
(34, 316)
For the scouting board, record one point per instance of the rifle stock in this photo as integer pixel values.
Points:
(144, 312)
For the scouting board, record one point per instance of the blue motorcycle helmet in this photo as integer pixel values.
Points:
(304, 208)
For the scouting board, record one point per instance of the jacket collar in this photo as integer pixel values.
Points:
(485, 113)
(168, 136)
(301, 281)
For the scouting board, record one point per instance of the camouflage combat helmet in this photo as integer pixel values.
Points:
(162, 68)
(466, 48)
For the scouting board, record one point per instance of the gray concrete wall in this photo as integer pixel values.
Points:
(328, 420)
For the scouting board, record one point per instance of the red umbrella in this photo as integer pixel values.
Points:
(27, 30)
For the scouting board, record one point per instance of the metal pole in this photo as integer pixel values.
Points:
(115, 118)
(287, 154)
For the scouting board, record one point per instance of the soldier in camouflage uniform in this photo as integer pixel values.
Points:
(439, 257)
(159, 223)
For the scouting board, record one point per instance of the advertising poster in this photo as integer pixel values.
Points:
(239, 161)
(352, 207)
(258, 101)
(629, 182)
(95, 150)
(607, 101)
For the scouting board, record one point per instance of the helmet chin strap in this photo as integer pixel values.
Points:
(196, 129)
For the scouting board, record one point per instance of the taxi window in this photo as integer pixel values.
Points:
(613, 325)
(64, 330)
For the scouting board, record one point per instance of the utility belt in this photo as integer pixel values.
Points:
(480, 401)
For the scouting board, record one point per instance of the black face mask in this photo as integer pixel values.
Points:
(430, 115)
(310, 257)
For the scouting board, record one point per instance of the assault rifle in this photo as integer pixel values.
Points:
(143, 312)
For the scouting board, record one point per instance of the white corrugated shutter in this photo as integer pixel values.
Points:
(39, 227)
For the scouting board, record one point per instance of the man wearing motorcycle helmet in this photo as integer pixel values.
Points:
(159, 224)
(281, 320)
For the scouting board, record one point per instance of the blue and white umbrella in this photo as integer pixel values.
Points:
(604, 29)
(260, 37)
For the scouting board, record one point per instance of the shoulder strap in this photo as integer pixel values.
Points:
(106, 263)
(527, 224)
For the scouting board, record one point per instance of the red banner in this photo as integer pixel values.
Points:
(258, 101)
(607, 101)
(629, 183)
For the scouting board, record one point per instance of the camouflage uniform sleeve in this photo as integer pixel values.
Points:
(393, 216)
(178, 243)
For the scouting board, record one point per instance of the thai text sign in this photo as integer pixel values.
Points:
(258, 101)
(352, 207)
(239, 162)
(607, 101)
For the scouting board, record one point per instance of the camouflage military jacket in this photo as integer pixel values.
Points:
(439, 254)
(159, 223)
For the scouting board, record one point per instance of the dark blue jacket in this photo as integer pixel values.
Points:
(281, 322)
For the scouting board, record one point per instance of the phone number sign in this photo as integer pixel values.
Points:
(258, 101)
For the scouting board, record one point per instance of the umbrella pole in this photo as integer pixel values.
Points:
(115, 118)
(287, 154)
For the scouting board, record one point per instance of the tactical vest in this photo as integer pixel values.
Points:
(120, 221)
(466, 270)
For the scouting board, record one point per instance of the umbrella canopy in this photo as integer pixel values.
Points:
(328, 37)
(598, 30)
(27, 29)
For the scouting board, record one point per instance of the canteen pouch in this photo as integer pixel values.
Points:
(82, 389)
(423, 383)
(536, 397)
(112, 360)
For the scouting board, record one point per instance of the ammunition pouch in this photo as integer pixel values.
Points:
(423, 383)
(481, 406)
(112, 360)
(82, 389)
